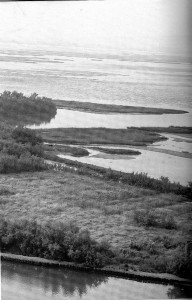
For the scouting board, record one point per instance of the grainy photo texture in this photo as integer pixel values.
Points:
(96, 149)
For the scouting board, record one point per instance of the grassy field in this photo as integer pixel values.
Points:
(145, 227)
(113, 109)
(134, 137)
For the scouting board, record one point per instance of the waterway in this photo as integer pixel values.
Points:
(170, 158)
(21, 281)
(70, 118)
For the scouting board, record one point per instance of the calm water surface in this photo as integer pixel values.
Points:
(155, 164)
(23, 282)
(69, 118)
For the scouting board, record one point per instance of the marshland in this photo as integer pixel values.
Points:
(95, 150)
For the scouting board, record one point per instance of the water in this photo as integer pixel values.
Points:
(69, 118)
(129, 52)
(155, 164)
(119, 52)
(20, 281)
(109, 80)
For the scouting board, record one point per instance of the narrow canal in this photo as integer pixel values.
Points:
(26, 282)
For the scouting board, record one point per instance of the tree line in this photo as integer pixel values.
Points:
(17, 103)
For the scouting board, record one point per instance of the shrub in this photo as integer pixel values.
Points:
(25, 135)
(178, 263)
(18, 149)
(26, 162)
(181, 264)
(23, 154)
(145, 244)
(14, 103)
(53, 241)
(154, 218)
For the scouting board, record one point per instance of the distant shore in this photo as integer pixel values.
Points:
(98, 108)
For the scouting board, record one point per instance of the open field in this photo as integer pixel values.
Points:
(113, 109)
(134, 137)
(144, 226)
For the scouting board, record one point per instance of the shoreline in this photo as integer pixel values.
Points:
(161, 278)
(98, 108)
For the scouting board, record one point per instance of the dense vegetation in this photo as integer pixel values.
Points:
(20, 150)
(14, 103)
(65, 242)
(53, 241)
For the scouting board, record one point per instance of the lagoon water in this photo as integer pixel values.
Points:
(151, 160)
(69, 118)
(117, 52)
(22, 281)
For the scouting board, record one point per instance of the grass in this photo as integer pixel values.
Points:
(65, 149)
(117, 151)
(134, 137)
(113, 109)
(106, 210)
(170, 129)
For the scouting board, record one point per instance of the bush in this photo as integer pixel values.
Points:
(154, 218)
(181, 264)
(178, 263)
(23, 154)
(18, 149)
(5, 130)
(57, 241)
(24, 135)
(26, 162)
(13, 103)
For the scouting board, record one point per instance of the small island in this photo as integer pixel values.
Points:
(101, 136)
(116, 151)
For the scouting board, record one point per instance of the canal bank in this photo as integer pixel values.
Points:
(109, 271)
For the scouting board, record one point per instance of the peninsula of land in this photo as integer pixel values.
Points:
(98, 108)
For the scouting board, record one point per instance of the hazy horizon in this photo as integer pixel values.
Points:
(149, 27)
